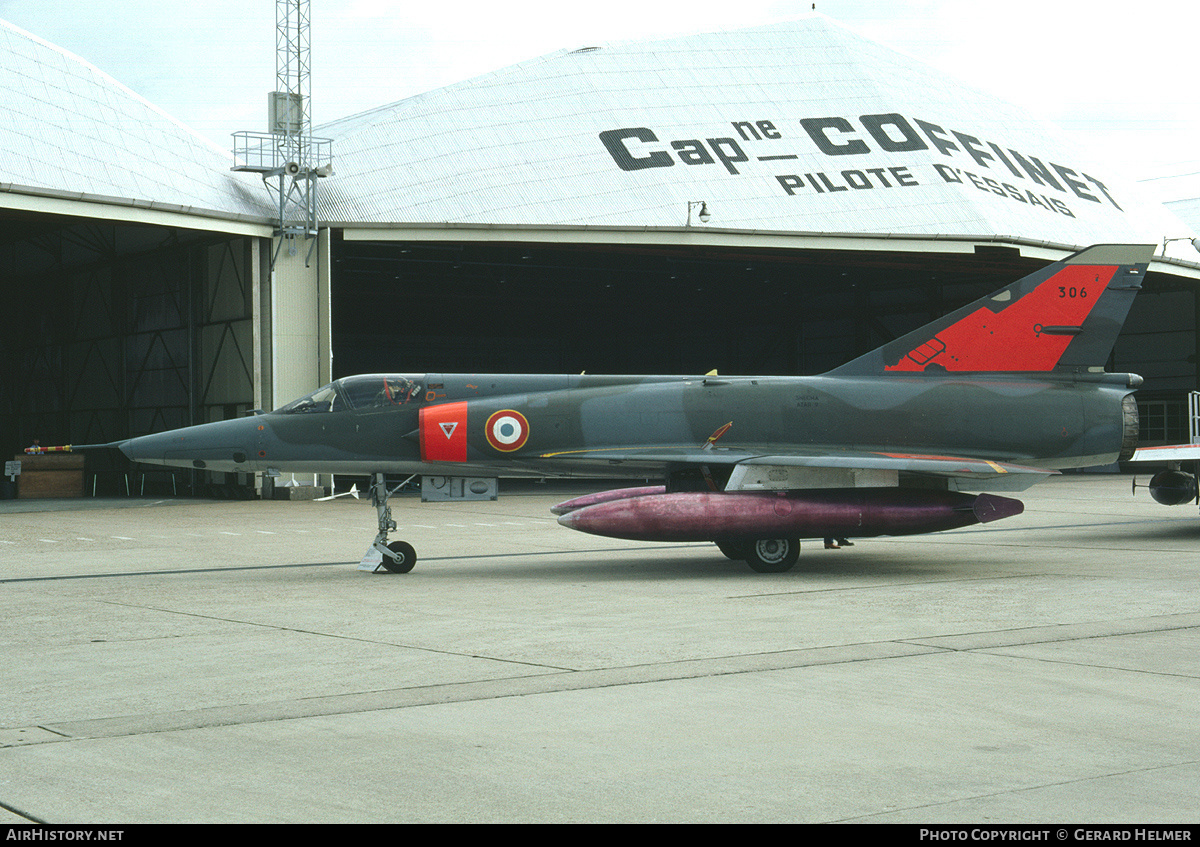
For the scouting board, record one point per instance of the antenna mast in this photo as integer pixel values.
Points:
(287, 156)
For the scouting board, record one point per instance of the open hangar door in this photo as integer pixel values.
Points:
(480, 307)
(603, 308)
(1159, 342)
(119, 329)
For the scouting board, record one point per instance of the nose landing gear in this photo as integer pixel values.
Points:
(398, 556)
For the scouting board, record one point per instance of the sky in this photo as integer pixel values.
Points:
(1119, 78)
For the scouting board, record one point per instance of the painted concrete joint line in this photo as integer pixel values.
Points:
(549, 683)
(24, 735)
(1060, 632)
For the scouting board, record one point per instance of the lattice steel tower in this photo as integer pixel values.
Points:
(288, 157)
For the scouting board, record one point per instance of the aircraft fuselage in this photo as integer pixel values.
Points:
(512, 425)
(910, 437)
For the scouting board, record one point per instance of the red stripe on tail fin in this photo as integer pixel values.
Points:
(1026, 334)
(1064, 318)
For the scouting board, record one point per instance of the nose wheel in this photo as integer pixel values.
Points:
(404, 557)
(397, 556)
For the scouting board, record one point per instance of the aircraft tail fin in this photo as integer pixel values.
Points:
(1063, 318)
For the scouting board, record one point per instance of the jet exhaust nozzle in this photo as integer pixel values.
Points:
(843, 513)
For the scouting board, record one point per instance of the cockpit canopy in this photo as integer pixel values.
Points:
(360, 393)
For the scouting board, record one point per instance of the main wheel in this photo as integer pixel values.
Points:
(773, 555)
(406, 557)
(735, 550)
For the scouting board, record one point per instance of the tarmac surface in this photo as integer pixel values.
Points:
(186, 660)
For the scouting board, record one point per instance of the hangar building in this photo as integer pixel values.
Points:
(770, 200)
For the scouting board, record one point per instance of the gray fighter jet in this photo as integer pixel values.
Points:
(994, 397)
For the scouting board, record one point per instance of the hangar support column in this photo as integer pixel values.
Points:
(301, 354)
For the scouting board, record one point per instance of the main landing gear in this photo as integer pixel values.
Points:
(764, 555)
(398, 556)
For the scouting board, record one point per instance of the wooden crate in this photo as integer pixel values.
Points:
(50, 475)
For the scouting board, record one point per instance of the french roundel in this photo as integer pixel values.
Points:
(507, 430)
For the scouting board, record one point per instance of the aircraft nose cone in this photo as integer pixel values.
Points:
(220, 446)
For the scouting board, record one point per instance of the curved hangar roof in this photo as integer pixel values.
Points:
(70, 131)
(802, 127)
